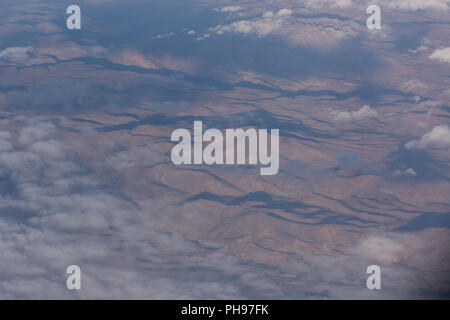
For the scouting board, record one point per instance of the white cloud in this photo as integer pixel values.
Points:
(57, 210)
(60, 208)
(328, 3)
(414, 5)
(16, 54)
(164, 35)
(424, 46)
(442, 55)
(381, 249)
(5, 145)
(413, 85)
(420, 49)
(203, 37)
(411, 5)
(322, 33)
(410, 172)
(346, 116)
(268, 23)
(438, 138)
(229, 9)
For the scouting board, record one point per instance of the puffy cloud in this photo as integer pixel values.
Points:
(363, 113)
(381, 249)
(16, 54)
(424, 46)
(204, 37)
(268, 23)
(322, 33)
(229, 9)
(57, 210)
(410, 172)
(442, 55)
(420, 49)
(438, 138)
(5, 145)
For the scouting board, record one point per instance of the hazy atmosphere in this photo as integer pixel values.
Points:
(88, 178)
